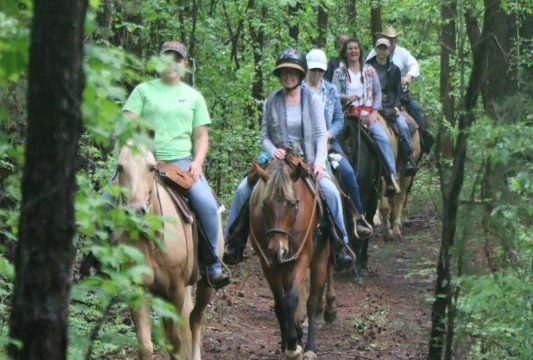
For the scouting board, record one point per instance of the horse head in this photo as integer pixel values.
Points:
(280, 209)
(136, 167)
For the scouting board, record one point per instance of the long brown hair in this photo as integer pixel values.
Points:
(361, 56)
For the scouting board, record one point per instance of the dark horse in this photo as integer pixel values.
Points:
(283, 219)
(363, 155)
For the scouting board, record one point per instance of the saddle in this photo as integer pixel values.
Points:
(391, 122)
(178, 182)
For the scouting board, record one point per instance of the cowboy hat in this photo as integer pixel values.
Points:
(388, 32)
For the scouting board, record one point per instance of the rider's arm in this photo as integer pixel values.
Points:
(412, 65)
(320, 132)
(268, 145)
(200, 147)
(337, 122)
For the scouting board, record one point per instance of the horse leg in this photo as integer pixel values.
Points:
(397, 208)
(278, 309)
(289, 305)
(385, 210)
(171, 328)
(319, 273)
(203, 296)
(143, 327)
(330, 313)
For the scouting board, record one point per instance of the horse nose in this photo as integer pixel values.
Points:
(277, 256)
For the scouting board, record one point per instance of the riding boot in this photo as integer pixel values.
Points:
(344, 257)
(407, 151)
(218, 280)
(392, 186)
(362, 228)
(426, 140)
(237, 236)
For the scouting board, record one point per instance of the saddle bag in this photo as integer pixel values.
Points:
(175, 177)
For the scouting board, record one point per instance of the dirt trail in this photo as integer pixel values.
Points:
(386, 318)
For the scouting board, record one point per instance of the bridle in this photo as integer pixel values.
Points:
(273, 231)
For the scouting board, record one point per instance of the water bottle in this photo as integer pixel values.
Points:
(263, 157)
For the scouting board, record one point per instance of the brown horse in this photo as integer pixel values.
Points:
(173, 267)
(283, 220)
(391, 208)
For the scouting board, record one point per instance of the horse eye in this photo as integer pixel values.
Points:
(151, 168)
(120, 168)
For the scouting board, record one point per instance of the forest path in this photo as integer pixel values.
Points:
(389, 317)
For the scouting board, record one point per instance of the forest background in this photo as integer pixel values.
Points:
(479, 175)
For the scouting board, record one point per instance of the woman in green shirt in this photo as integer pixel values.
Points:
(178, 115)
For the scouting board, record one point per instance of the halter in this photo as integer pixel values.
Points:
(285, 232)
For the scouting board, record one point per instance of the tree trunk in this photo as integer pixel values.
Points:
(375, 19)
(258, 39)
(322, 25)
(45, 250)
(448, 49)
(293, 22)
(451, 189)
(351, 11)
(501, 77)
(192, 38)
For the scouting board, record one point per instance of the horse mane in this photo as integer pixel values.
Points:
(279, 185)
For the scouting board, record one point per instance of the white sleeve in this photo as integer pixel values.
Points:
(412, 64)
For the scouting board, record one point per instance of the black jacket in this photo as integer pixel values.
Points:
(393, 77)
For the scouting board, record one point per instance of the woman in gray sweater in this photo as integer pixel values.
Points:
(293, 118)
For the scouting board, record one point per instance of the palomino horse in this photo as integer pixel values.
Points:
(364, 157)
(283, 220)
(173, 267)
(391, 208)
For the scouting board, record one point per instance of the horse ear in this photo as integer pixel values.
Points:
(297, 172)
(261, 172)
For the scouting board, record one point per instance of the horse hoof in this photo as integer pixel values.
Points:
(296, 354)
(310, 355)
(388, 237)
(358, 280)
(330, 316)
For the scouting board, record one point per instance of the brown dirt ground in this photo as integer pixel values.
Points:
(387, 318)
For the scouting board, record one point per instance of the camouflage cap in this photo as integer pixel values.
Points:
(175, 46)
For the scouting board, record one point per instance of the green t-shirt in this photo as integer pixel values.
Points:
(172, 111)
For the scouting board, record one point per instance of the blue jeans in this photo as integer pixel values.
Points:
(242, 194)
(405, 136)
(384, 145)
(349, 178)
(205, 206)
(329, 192)
(415, 111)
(332, 196)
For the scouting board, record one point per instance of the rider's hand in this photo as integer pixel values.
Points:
(279, 153)
(407, 79)
(318, 171)
(396, 110)
(373, 117)
(330, 135)
(195, 169)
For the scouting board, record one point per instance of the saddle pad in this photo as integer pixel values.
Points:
(181, 204)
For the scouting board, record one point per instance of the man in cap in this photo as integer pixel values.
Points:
(390, 81)
(409, 70)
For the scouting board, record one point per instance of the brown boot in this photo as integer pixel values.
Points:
(362, 228)
(392, 186)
